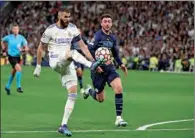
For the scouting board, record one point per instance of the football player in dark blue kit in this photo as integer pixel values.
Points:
(105, 38)
(78, 66)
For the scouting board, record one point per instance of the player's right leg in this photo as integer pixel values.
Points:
(79, 72)
(76, 56)
(13, 61)
(98, 93)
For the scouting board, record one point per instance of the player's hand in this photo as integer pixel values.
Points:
(99, 70)
(37, 71)
(124, 69)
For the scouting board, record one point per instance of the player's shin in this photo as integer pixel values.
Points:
(80, 79)
(18, 78)
(69, 107)
(92, 93)
(79, 58)
(10, 80)
(119, 104)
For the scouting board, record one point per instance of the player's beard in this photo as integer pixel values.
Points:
(64, 24)
(106, 30)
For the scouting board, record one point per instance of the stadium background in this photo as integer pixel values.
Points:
(159, 32)
(151, 35)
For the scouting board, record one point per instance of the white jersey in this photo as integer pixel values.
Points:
(58, 39)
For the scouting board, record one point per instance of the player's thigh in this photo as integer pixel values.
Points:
(70, 79)
(14, 61)
(114, 81)
(99, 82)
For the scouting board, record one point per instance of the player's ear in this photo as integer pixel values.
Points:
(59, 15)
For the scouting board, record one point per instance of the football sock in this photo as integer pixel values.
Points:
(76, 56)
(10, 80)
(93, 94)
(18, 79)
(80, 82)
(119, 104)
(69, 107)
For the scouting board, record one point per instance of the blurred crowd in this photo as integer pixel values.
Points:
(152, 35)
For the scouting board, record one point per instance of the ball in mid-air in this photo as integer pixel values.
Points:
(103, 53)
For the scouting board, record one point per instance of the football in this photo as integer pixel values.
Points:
(104, 53)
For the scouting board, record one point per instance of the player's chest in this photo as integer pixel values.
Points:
(15, 42)
(62, 37)
(106, 42)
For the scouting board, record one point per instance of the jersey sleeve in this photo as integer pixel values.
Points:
(115, 52)
(24, 42)
(46, 36)
(76, 35)
(93, 45)
(5, 39)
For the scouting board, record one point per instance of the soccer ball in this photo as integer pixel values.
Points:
(102, 53)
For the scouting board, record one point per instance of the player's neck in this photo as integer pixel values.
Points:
(59, 25)
(106, 32)
(15, 35)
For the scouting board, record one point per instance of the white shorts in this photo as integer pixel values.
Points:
(64, 67)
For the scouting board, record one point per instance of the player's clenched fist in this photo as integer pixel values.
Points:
(37, 71)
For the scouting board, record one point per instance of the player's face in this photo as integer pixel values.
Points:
(65, 19)
(106, 24)
(15, 30)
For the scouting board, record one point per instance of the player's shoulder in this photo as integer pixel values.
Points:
(98, 34)
(51, 26)
(112, 36)
(21, 36)
(71, 25)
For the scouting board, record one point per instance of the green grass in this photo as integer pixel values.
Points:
(149, 97)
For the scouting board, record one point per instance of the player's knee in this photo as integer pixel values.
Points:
(118, 89)
(18, 67)
(79, 73)
(101, 100)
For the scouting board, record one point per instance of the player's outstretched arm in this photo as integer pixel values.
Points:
(40, 49)
(85, 50)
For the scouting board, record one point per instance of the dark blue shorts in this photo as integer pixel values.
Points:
(79, 65)
(100, 80)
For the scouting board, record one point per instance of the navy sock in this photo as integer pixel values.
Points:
(80, 82)
(119, 103)
(92, 93)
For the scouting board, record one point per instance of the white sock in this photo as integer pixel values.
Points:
(69, 107)
(80, 58)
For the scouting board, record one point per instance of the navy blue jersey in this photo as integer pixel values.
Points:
(103, 40)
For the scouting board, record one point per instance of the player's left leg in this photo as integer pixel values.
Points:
(115, 82)
(76, 56)
(10, 80)
(79, 71)
(70, 82)
(18, 69)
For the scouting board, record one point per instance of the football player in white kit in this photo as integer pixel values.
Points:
(58, 38)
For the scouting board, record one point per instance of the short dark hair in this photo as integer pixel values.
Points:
(15, 25)
(64, 9)
(106, 15)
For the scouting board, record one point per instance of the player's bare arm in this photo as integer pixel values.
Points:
(85, 50)
(39, 59)
(40, 51)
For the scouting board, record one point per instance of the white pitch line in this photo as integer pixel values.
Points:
(89, 131)
(160, 123)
